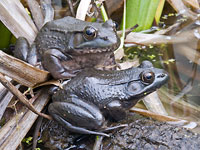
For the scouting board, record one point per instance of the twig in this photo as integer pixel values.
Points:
(168, 119)
(98, 142)
(36, 131)
(17, 20)
(12, 133)
(20, 96)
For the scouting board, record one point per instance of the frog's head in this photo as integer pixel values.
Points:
(146, 79)
(95, 38)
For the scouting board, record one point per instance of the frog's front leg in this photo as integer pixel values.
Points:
(116, 110)
(24, 52)
(53, 62)
(78, 116)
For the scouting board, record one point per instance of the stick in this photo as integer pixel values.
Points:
(20, 96)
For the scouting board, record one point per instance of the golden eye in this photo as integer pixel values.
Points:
(147, 76)
(90, 33)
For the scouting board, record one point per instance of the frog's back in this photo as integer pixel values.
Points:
(55, 34)
(66, 24)
(94, 86)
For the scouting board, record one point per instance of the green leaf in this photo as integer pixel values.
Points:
(5, 36)
(103, 13)
(141, 12)
(159, 11)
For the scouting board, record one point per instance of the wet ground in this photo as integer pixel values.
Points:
(141, 134)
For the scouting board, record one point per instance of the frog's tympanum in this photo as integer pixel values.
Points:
(93, 95)
(66, 46)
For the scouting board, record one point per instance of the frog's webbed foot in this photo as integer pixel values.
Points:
(109, 129)
(78, 116)
(53, 62)
(53, 89)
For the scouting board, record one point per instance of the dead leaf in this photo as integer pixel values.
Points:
(82, 9)
(193, 3)
(180, 7)
(20, 71)
(17, 20)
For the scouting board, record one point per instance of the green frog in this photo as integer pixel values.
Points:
(93, 95)
(68, 45)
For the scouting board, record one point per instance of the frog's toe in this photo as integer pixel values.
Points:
(109, 129)
(62, 75)
(53, 62)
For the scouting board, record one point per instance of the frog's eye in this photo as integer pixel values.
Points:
(115, 25)
(147, 77)
(89, 33)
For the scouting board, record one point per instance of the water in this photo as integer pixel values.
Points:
(181, 59)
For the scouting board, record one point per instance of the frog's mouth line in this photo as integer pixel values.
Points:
(94, 50)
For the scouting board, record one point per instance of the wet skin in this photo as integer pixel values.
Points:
(93, 95)
(68, 45)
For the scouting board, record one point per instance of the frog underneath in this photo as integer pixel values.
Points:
(68, 45)
(93, 95)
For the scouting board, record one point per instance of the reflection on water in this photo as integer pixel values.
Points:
(181, 97)
(184, 73)
(62, 9)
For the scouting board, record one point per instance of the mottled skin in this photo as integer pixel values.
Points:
(93, 95)
(68, 45)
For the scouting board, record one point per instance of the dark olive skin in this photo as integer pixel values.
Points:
(68, 45)
(93, 95)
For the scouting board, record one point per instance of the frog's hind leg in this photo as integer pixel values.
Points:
(21, 48)
(78, 116)
(53, 62)
(24, 52)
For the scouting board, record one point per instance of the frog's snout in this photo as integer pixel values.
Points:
(163, 77)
